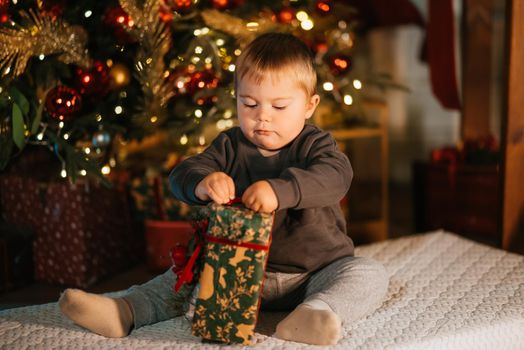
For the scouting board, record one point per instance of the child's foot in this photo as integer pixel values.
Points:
(109, 317)
(310, 325)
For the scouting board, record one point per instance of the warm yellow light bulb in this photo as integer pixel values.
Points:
(328, 86)
(348, 100)
(307, 24)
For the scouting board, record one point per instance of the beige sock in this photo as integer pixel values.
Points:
(106, 316)
(312, 322)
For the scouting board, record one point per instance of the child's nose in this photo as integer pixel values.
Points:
(264, 115)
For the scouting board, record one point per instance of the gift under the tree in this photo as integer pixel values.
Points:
(233, 265)
(457, 188)
(16, 256)
(165, 219)
(83, 231)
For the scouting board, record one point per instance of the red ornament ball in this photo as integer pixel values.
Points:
(319, 47)
(117, 19)
(339, 64)
(53, 8)
(324, 6)
(227, 4)
(4, 4)
(206, 79)
(182, 6)
(4, 7)
(62, 102)
(207, 101)
(286, 15)
(165, 12)
(222, 4)
(93, 81)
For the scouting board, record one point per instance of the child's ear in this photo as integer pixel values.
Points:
(312, 105)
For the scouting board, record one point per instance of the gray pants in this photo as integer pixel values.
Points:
(353, 287)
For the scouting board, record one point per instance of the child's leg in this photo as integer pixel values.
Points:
(343, 291)
(102, 315)
(144, 304)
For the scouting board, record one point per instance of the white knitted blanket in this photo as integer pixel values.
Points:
(445, 292)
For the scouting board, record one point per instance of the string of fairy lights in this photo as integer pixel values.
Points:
(202, 73)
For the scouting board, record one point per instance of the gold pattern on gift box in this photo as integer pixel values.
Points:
(231, 279)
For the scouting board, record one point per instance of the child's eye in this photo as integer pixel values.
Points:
(280, 107)
(250, 106)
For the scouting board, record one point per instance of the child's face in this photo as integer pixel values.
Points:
(272, 113)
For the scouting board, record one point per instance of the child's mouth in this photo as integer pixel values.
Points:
(262, 132)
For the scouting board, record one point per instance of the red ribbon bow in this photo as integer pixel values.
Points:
(185, 273)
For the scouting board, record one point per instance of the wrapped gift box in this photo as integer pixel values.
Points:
(234, 261)
(16, 256)
(83, 231)
(461, 198)
(166, 219)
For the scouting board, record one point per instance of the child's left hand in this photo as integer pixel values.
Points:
(260, 197)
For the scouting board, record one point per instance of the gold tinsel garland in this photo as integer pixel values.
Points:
(243, 31)
(42, 35)
(155, 41)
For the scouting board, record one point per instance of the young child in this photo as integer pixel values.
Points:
(274, 162)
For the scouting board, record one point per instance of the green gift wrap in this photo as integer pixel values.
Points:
(236, 250)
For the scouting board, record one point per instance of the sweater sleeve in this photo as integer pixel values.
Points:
(323, 181)
(187, 174)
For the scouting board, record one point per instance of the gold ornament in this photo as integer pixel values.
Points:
(120, 75)
(42, 35)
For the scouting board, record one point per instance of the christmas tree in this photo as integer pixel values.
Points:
(96, 81)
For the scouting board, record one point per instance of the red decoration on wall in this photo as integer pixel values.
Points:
(441, 53)
(378, 13)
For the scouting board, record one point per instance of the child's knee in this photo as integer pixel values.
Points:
(375, 273)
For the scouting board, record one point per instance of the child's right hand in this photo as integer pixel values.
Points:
(217, 186)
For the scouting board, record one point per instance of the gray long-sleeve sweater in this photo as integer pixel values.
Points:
(309, 176)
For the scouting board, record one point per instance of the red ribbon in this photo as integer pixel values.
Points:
(234, 201)
(226, 241)
(185, 274)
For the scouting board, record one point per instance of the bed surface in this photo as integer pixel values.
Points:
(445, 292)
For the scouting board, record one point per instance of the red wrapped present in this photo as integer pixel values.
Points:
(161, 238)
(83, 231)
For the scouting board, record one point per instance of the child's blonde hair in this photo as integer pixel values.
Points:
(278, 53)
